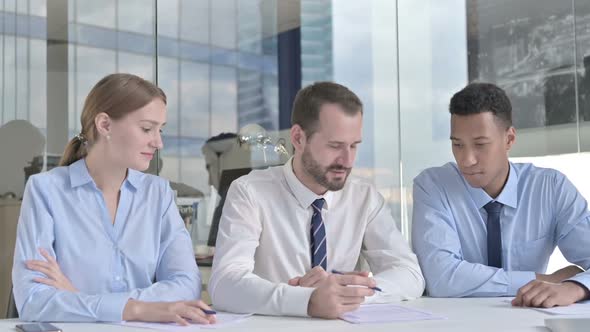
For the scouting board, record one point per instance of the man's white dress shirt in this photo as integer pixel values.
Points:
(264, 240)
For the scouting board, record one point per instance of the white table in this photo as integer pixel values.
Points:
(474, 314)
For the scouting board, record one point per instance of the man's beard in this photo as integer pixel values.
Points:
(319, 174)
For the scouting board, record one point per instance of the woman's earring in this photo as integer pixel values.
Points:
(108, 137)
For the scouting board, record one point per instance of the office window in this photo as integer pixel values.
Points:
(194, 20)
(136, 16)
(96, 13)
(194, 99)
(222, 65)
(223, 100)
(529, 49)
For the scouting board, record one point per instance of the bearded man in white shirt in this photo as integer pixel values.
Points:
(288, 232)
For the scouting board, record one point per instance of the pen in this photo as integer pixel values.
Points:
(373, 288)
(209, 312)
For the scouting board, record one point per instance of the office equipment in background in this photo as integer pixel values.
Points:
(227, 177)
(202, 220)
(41, 163)
(186, 208)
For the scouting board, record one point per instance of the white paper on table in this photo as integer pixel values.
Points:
(386, 313)
(579, 309)
(223, 319)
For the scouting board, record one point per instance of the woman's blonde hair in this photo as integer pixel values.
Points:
(116, 95)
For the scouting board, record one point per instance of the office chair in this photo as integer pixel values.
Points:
(11, 311)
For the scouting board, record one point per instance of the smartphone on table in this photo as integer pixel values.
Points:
(38, 327)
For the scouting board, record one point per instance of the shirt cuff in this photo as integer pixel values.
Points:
(111, 306)
(582, 279)
(517, 279)
(296, 300)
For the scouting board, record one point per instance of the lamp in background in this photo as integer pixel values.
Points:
(256, 138)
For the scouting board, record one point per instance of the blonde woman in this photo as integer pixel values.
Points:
(97, 239)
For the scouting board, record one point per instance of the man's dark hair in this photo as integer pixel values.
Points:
(482, 97)
(309, 100)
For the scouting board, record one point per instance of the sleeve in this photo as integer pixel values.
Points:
(395, 267)
(573, 226)
(39, 302)
(233, 286)
(177, 274)
(436, 241)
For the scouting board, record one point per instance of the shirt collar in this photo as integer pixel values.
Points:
(79, 175)
(303, 194)
(134, 178)
(508, 195)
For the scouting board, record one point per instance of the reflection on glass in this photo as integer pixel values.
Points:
(38, 7)
(249, 26)
(529, 52)
(10, 78)
(219, 64)
(316, 41)
(22, 82)
(194, 99)
(582, 20)
(528, 48)
(136, 16)
(224, 97)
(168, 16)
(91, 65)
(38, 83)
(141, 65)
(170, 84)
(213, 84)
(223, 23)
(432, 67)
(97, 13)
(194, 20)
(9, 5)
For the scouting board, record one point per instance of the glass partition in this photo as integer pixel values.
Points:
(231, 69)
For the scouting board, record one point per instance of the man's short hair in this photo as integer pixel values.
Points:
(309, 100)
(482, 97)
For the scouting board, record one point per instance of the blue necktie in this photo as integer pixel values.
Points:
(494, 209)
(318, 236)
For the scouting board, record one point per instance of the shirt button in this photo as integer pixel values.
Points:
(118, 278)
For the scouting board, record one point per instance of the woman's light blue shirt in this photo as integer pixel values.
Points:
(145, 255)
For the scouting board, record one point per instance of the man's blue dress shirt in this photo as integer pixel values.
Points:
(145, 255)
(542, 210)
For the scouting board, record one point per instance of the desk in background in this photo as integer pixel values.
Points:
(471, 314)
